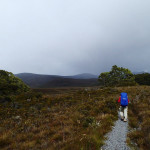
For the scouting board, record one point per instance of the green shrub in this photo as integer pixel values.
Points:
(9, 84)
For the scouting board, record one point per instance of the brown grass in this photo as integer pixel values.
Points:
(139, 119)
(71, 119)
(74, 119)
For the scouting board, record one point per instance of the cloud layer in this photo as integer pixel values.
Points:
(70, 37)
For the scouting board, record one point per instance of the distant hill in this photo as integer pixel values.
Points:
(84, 76)
(48, 81)
(141, 72)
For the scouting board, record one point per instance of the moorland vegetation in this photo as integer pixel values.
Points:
(69, 118)
(139, 118)
(64, 121)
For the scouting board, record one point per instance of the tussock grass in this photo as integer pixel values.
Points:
(72, 119)
(139, 118)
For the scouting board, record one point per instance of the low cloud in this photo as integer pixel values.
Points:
(70, 37)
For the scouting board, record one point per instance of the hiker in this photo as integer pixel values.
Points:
(123, 101)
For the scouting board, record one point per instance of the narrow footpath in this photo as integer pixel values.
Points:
(116, 139)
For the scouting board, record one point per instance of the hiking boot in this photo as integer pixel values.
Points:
(125, 120)
(122, 118)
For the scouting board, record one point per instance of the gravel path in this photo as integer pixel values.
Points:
(116, 139)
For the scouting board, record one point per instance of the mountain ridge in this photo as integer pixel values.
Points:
(76, 76)
(48, 81)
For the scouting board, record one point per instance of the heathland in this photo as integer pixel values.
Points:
(69, 118)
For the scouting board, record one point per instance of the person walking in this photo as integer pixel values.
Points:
(123, 110)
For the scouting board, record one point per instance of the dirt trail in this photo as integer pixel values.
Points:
(116, 139)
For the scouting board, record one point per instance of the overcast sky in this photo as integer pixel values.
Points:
(67, 37)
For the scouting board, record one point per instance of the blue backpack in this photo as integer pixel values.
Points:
(124, 99)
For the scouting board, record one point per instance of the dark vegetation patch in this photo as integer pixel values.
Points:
(143, 79)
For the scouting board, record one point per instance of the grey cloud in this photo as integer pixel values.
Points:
(70, 37)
